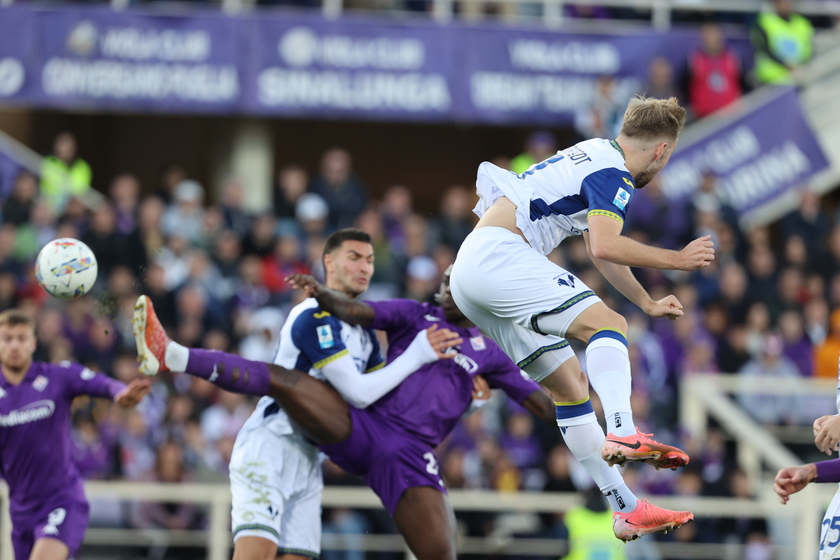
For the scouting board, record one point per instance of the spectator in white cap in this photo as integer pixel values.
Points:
(312, 213)
(422, 278)
(263, 335)
(185, 216)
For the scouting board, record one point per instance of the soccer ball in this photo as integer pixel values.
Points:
(66, 268)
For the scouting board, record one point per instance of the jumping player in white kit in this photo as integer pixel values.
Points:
(503, 282)
(791, 480)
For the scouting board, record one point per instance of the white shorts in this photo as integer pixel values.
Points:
(830, 530)
(503, 285)
(276, 488)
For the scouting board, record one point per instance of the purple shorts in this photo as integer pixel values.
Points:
(389, 460)
(64, 519)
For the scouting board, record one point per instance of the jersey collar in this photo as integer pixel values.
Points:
(615, 145)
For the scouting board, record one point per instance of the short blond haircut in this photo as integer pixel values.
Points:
(15, 317)
(649, 119)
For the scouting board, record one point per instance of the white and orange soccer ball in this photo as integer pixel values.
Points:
(66, 268)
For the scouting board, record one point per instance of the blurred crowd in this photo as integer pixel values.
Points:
(768, 305)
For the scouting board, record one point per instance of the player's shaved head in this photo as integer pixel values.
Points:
(651, 120)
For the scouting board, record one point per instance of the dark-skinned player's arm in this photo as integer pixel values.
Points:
(540, 405)
(345, 308)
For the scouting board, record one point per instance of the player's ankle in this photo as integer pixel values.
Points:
(176, 356)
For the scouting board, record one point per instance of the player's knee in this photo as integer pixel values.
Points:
(254, 548)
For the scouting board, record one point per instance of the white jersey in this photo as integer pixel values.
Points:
(310, 339)
(554, 198)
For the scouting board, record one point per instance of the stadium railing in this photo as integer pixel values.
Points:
(217, 539)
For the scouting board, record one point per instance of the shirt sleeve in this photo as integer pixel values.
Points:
(317, 336)
(393, 314)
(84, 381)
(609, 192)
(506, 375)
(376, 360)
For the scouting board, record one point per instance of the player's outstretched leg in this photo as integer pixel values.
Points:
(426, 520)
(317, 409)
(608, 368)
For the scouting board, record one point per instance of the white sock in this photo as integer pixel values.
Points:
(176, 356)
(584, 437)
(608, 368)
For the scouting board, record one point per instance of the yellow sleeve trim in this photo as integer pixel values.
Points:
(334, 357)
(607, 213)
(571, 403)
(380, 365)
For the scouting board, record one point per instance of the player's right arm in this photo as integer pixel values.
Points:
(317, 335)
(623, 279)
(608, 244)
(345, 308)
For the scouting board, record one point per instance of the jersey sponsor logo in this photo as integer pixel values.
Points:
(40, 383)
(432, 318)
(569, 281)
(325, 337)
(464, 361)
(321, 314)
(477, 343)
(55, 519)
(621, 199)
(88, 374)
(38, 410)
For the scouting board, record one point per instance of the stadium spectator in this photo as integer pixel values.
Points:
(168, 467)
(782, 41)
(603, 117)
(661, 82)
(17, 209)
(714, 76)
(770, 409)
(185, 217)
(124, 193)
(63, 174)
(539, 146)
(343, 191)
(455, 219)
(290, 186)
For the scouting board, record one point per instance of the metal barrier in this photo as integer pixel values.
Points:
(217, 538)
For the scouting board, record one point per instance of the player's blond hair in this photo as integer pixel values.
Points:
(15, 317)
(649, 119)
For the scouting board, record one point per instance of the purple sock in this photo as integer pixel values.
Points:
(230, 372)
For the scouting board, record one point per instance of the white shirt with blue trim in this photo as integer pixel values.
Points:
(556, 197)
(310, 339)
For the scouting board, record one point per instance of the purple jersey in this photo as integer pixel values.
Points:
(431, 401)
(36, 448)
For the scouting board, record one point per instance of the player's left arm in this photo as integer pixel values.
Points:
(84, 381)
(623, 279)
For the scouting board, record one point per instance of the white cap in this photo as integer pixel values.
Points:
(311, 206)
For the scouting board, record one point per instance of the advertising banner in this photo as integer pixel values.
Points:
(756, 157)
(305, 65)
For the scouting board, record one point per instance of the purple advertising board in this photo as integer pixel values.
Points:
(756, 157)
(305, 65)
